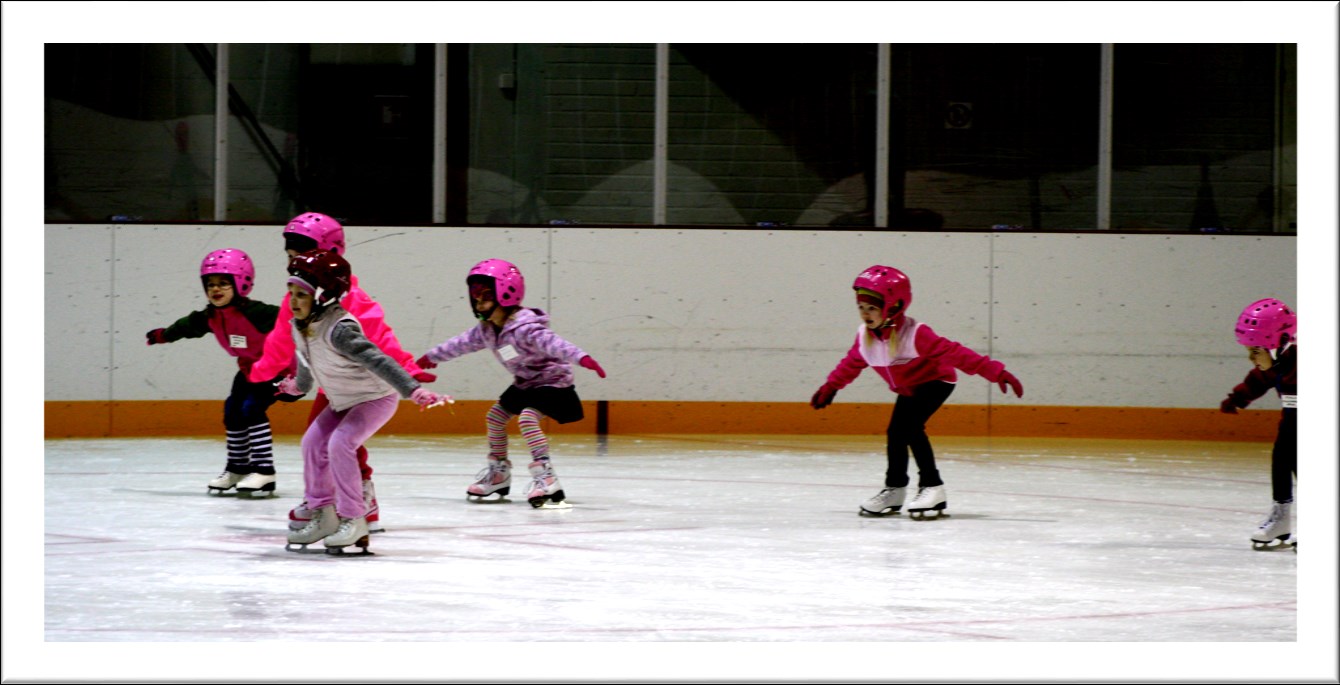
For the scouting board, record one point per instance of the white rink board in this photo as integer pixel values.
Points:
(703, 314)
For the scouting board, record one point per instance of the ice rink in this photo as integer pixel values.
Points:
(1123, 551)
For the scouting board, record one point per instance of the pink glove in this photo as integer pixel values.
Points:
(424, 397)
(157, 336)
(823, 396)
(588, 363)
(1007, 378)
(425, 363)
(1227, 406)
(288, 386)
(424, 376)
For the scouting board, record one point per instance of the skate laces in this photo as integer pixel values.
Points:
(492, 474)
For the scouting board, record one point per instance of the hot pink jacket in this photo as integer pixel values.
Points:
(279, 347)
(920, 357)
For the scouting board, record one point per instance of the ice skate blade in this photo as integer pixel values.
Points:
(548, 503)
(927, 514)
(880, 514)
(222, 492)
(302, 548)
(1275, 545)
(493, 498)
(361, 546)
(256, 494)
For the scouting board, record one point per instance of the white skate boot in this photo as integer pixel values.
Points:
(929, 504)
(299, 516)
(545, 492)
(323, 523)
(225, 482)
(374, 515)
(256, 485)
(350, 533)
(888, 501)
(1275, 530)
(495, 479)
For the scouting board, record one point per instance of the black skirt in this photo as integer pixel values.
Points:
(559, 404)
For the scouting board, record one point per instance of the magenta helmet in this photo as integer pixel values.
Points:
(233, 263)
(509, 286)
(327, 232)
(1263, 323)
(890, 285)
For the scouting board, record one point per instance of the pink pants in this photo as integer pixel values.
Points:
(329, 454)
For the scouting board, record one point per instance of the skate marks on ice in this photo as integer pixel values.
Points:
(672, 540)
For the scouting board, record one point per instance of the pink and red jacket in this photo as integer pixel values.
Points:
(278, 354)
(917, 356)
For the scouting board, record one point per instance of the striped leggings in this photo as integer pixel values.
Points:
(529, 422)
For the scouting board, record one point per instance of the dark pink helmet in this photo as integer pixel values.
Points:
(327, 232)
(891, 285)
(324, 273)
(233, 263)
(1264, 322)
(509, 286)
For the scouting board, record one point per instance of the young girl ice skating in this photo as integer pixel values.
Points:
(363, 386)
(1268, 329)
(920, 367)
(541, 363)
(311, 231)
(240, 325)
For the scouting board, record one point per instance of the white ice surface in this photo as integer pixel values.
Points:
(688, 539)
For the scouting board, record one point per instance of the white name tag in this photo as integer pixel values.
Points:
(507, 353)
(237, 341)
(1289, 401)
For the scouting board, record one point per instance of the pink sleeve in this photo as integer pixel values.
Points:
(849, 368)
(931, 345)
(373, 319)
(277, 355)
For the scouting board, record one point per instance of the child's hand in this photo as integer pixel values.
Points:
(288, 386)
(425, 377)
(1227, 406)
(426, 398)
(588, 363)
(157, 336)
(1007, 378)
(425, 363)
(823, 396)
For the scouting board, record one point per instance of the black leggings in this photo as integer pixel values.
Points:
(1284, 457)
(248, 402)
(907, 430)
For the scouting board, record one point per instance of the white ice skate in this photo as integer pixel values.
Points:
(299, 516)
(545, 492)
(225, 482)
(324, 522)
(1275, 531)
(888, 501)
(493, 483)
(350, 533)
(256, 485)
(929, 504)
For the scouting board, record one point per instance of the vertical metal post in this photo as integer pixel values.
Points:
(660, 148)
(440, 133)
(1104, 218)
(221, 133)
(883, 96)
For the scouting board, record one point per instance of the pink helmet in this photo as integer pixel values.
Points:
(327, 232)
(509, 286)
(1263, 323)
(233, 263)
(892, 286)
